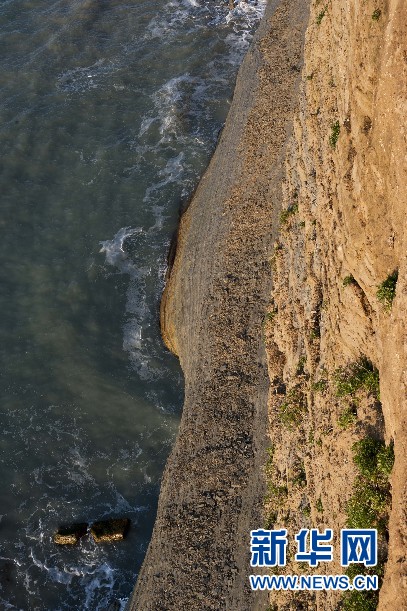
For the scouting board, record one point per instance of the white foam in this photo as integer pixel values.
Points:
(138, 340)
(85, 78)
(115, 254)
(8, 606)
(171, 173)
(192, 15)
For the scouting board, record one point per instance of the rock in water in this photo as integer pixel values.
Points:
(110, 530)
(70, 534)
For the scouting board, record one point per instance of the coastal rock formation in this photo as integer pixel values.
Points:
(70, 534)
(294, 241)
(108, 531)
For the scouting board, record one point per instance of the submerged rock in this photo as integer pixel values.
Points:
(7, 576)
(70, 534)
(110, 530)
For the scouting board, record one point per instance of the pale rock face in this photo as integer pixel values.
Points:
(351, 222)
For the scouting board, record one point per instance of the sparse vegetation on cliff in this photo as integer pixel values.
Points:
(292, 411)
(348, 280)
(335, 131)
(348, 416)
(369, 507)
(361, 374)
(386, 291)
(320, 16)
(322, 285)
(288, 212)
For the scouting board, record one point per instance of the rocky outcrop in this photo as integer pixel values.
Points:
(109, 531)
(70, 534)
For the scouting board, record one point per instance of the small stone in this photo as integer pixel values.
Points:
(110, 530)
(70, 534)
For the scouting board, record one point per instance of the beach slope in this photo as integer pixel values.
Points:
(212, 317)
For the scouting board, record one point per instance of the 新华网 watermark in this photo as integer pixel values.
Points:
(269, 549)
(340, 583)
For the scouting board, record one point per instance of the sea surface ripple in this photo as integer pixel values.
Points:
(109, 114)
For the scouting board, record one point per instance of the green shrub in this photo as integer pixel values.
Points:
(335, 130)
(270, 316)
(300, 478)
(270, 520)
(319, 505)
(386, 291)
(270, 457)
(361, 374)
(306, 510)
(367, 505)
(349, 280)
(276, 493)
(301, 364)
(373, 458)
(292, 411)
(358, 569)
(315, 333)
(285, 214)
(365, 455)
(348, 417)
(320, 16)
(320, 386)
(376, 14)
(385, 459)
(360, 601)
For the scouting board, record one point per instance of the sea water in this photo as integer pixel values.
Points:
(109, 111)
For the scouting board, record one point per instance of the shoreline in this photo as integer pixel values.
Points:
(212, 314)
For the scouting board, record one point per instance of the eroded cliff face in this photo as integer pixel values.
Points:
(336, 328)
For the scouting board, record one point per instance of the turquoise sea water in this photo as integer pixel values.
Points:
(109, 113)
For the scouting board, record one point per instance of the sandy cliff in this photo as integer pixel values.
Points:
(295, 241)
(335, 331)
